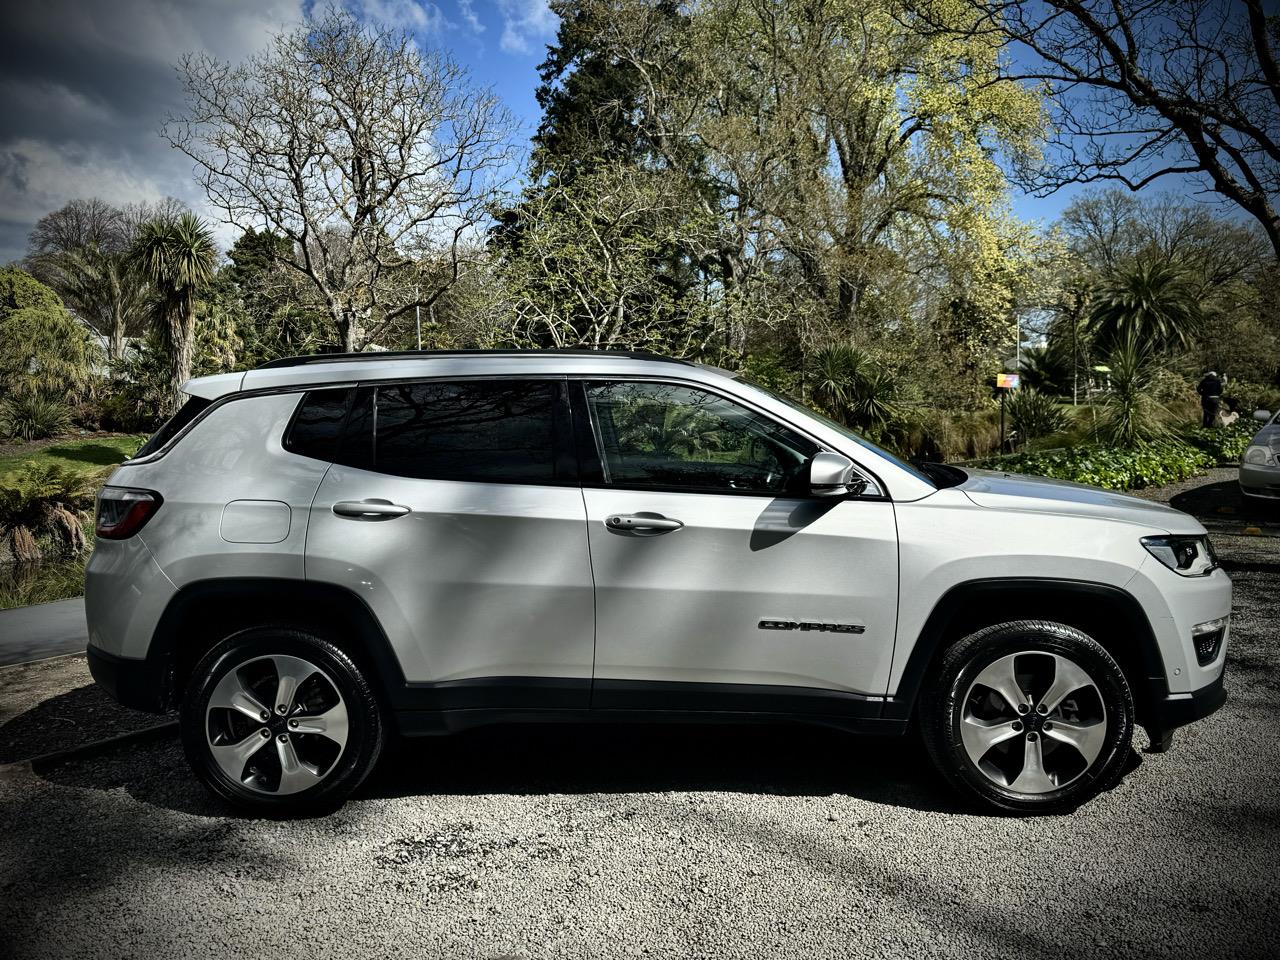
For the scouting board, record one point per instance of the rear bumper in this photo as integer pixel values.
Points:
(133, 683)
(1179, 709)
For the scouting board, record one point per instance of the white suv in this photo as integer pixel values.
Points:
(324, 550)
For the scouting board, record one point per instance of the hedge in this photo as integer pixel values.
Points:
(1115, 468)
(1226, 444)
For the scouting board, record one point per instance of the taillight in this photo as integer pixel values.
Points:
(122, 511)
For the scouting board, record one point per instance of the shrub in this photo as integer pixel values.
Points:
(40, 509)
(1225, 444)
(1115, 468)
(33, 417)
(1033, 414)
(1132, 411)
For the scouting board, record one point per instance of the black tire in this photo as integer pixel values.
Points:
(954, 697)
(250, 654)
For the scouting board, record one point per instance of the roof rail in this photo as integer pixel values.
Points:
(309, 359)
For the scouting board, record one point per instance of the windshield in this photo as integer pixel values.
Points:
(841, 429)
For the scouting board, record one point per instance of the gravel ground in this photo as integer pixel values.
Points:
(667, 842)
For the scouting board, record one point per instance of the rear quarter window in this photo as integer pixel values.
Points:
(174, 425)
(317, 427)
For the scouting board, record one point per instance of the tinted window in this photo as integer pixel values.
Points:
(186, 413)
(317, 428)
(482, 430)
(674, 437)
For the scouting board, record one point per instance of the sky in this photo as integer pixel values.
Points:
(85, 86)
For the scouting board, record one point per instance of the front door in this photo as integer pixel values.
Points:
(453, 509)
(721, 582)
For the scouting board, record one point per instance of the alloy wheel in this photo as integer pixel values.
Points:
(276, 724)
(1033, 722)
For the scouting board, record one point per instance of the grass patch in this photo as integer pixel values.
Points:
(23, 584)
(82, 455)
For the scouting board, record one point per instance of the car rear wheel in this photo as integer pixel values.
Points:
(280, 720)
(1029, 717)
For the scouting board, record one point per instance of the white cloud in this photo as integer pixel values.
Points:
(415, 16)
(86, 87)
(468, 15)
(525, 22)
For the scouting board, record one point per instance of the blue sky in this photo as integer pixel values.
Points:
(86, 84)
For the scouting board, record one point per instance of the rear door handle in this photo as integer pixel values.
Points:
(372, 509)
(640, 521)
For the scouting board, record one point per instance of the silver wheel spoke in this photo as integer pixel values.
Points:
(1086, 738)
(291, 673)
(1033, 778)
(238, 699)
(232, 757)
(1000, 677)
(1067, 679)
(979, 736)
(294, 774)
(332, 724)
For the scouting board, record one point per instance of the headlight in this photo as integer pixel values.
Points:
(1261, 456)
(1188, 556)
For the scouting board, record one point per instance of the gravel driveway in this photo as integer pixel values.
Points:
(668, 842)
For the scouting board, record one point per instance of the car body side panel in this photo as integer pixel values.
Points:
(687, 605)
(946, 541)
(125, 595)
(479, 580)
(233, 454)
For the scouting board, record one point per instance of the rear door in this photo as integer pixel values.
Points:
(721, 582)
(453, 509)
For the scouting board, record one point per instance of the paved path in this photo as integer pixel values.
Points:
(44, 630)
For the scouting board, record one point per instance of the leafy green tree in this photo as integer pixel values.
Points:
(1150, 302)
(44, 351)
(178, 257)
(1132, 413)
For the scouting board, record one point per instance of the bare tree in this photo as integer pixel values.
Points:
(366, 153)
(1145, 89)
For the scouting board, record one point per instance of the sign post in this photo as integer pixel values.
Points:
(1004, 383)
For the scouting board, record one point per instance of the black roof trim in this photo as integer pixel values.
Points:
(309, 359)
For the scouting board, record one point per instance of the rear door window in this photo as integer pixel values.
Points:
(487, 431)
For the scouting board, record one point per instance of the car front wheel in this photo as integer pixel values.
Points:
(1029, 717)
(280, 720)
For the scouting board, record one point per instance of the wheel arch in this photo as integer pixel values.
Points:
(203, 613)
(1109, 614)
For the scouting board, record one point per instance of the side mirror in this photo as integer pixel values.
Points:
(1263, 415)
(834, 475)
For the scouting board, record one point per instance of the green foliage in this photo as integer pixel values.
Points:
(43, 350)
(178, 257)
(1047, 369)
(33, 417)
(39, 512)
(23, 584)
(854, 389)
(1132, 411)
(1115, 468)
(1151, 301)
(1033, 414)
(1225, 444)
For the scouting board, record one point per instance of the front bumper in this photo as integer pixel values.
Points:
(138, 684)
(1167, 713)
(1260, 480)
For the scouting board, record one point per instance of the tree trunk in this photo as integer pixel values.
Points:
(115, 344)
(182, 329)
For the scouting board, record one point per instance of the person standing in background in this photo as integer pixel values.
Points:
(1210, 390)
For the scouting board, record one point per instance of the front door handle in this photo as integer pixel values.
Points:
(369, 509)
(641, 521)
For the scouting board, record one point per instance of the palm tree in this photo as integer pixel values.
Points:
(177, 254)
(853, 388)
(108, 290)
(1153, 302)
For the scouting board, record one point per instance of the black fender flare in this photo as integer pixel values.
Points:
(1086, 605)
